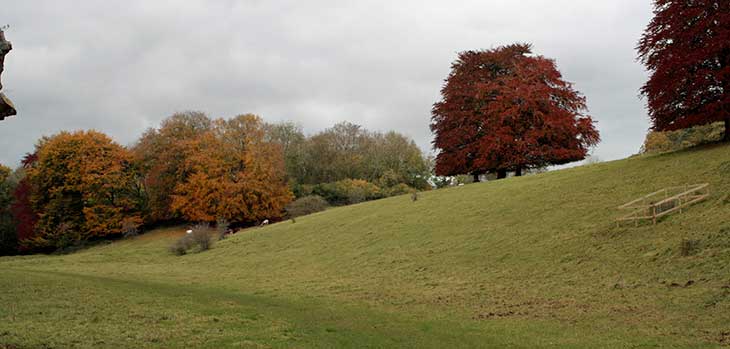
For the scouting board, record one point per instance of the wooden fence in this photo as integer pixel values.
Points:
(663, 202)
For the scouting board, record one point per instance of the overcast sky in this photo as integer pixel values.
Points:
(122, 66)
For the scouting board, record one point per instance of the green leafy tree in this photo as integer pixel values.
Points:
(8, 237)
(292, 140)
(348, 151)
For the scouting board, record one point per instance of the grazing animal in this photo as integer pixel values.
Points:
(189, 231)
(265, 222)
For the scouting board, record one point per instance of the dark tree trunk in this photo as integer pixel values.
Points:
(518, 172)
(727, 130)
(476, 178)
(501, 174)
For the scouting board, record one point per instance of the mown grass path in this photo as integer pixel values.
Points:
(59, 309)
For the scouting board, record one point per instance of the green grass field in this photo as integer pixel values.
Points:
(526, 262)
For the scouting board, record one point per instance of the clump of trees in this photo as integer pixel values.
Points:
(686, 48)
(196, 169)
(506, 110)
(349, 152)
(81, 186)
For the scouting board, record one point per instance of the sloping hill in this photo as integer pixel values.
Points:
(524, 262)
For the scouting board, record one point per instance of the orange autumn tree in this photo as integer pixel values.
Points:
(84, 186)
(234, 173)
(161, 154)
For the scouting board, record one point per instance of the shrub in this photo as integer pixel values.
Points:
(330, 192)
(348, 191)
(182, 245)
(398, 189)
(442, 182)
(659, 142)
(306, 205)
(222, 223)
(389, 179)
(221, 226)
(200, 237)
(302, 190)
(464, 179)
(203, 239)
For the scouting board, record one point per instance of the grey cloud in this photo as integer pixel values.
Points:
(121, 67)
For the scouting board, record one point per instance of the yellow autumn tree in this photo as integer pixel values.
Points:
(83, 186)
(234, 173)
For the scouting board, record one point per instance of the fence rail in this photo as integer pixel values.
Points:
(663, 202)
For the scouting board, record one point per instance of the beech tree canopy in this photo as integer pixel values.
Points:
(686, 47)
(506, 109)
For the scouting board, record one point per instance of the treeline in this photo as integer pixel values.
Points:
(81, 186)
(345, 152)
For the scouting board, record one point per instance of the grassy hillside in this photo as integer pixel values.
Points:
(524, 262)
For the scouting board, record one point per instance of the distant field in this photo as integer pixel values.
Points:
(525, 262)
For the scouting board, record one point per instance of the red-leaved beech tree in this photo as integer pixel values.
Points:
(24, 215)
(686, 47)
(508, 110)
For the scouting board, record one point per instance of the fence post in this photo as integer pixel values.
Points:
(681, 208)
(653, 207)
